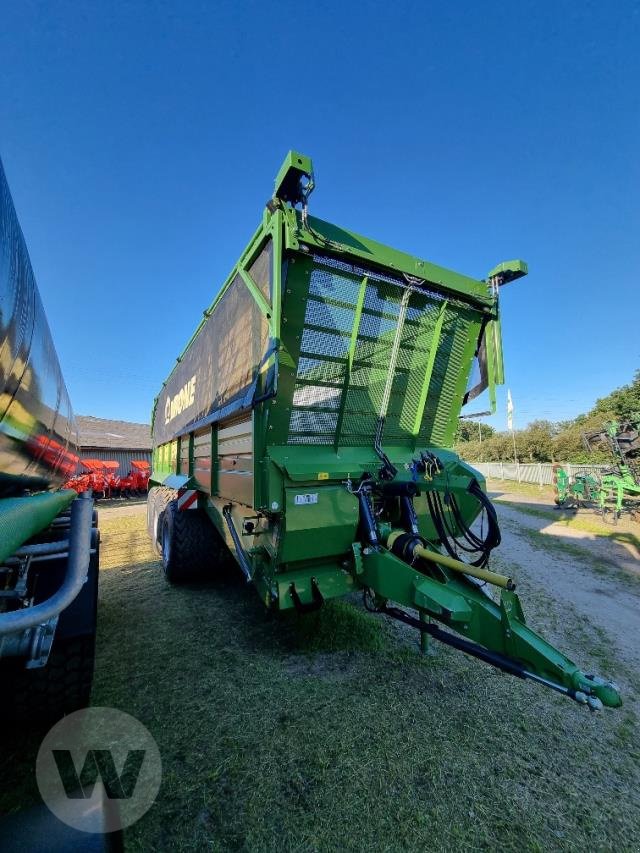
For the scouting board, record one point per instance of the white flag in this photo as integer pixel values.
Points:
(509, 410)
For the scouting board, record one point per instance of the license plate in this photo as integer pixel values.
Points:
(303, 500)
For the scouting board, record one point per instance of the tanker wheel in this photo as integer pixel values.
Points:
(63, 685)
(190, 544)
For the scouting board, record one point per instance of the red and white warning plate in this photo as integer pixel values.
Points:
(188, 499)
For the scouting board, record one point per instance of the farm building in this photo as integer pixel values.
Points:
(122, 441)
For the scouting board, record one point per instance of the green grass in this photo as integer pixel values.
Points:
(513, 486)
(331, 732)
(575, 522)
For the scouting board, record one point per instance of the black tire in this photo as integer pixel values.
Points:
(157, 500)
(190, 544)
(62, 686)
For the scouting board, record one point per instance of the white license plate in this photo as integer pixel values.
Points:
(302, 500)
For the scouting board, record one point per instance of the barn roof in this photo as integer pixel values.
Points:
(102, 432)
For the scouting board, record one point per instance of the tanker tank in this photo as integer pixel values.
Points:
(38, 434)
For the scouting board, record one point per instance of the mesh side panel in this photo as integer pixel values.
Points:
(316, 370)
(328, 285)
(324, 344)
(376, 331)
(260, 270)
(316, 395)
(328, 316)
(313, 422)
(332, 394)
(446, 372)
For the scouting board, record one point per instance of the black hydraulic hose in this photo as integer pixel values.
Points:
(74, 579)
(408, 513)
(474, 543)
(437, 520)
(367, 519)
(451, 530)
(445, 534)
(388, 470)
(468, 534)
(493, 537)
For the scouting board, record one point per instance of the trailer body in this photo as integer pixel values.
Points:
(49, 542)
(309, 421)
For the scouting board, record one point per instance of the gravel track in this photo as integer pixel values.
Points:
(597, 586)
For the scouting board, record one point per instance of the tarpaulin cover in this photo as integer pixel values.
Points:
(222, 360)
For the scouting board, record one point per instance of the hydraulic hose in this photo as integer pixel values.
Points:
(471, 543)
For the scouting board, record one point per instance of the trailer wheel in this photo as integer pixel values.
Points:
(157, 500)
(190, 546)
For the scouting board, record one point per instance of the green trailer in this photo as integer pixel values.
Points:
(306, 429)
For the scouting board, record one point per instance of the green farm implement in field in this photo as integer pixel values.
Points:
(615, 490)
(306, 428)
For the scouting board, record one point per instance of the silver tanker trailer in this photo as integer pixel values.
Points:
(49, 541)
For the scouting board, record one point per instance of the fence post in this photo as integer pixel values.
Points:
(569, 472)
(540, 475)
(518, 469)
(501, 470)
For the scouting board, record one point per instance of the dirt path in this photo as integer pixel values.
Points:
(578, 567)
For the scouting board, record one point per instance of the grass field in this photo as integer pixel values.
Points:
(333, 733)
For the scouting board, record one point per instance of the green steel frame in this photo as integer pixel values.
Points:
(305, 530)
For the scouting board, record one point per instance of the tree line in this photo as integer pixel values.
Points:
(548, 441)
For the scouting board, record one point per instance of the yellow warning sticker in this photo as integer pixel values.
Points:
(323, 475)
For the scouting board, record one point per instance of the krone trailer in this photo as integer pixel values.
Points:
(307, 429)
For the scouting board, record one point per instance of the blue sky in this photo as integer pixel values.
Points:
(141, 142)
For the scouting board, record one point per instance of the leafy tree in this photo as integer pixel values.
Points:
(624, 401)
(545, 441)
(536, 441)
(468, 431)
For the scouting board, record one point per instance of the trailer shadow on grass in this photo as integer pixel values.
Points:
(330, 732)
